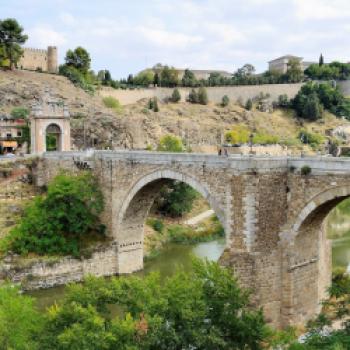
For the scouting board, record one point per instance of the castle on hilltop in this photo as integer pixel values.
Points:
(40, 60)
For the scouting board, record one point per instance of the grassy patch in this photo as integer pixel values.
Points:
(112, 103)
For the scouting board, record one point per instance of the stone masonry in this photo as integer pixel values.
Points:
(272, 214)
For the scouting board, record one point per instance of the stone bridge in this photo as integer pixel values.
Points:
(272, 211)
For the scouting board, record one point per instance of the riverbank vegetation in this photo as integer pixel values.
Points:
(202, 309)
(60, 221)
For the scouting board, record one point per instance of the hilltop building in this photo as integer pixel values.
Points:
(280, 64)
(40, 60)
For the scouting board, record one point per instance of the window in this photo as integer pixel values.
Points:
(8, 134)
(19, 133)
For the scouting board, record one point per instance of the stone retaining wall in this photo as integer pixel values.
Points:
(46, 274)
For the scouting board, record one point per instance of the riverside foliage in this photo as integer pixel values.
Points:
(58, 221)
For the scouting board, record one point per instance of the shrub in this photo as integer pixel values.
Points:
(113, 103)
(150, 104)
(225, 101)
(283, 101)
(305, 170)
(238, 135)
(20, 113)
(155, 105)
(56, 222)
(170, 143)
(265, 139)
(176, 97)
(310, 138)
(156, 224)
(202, 96)
(193, 96)
(249, 104)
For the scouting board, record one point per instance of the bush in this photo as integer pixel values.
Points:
(150, 103)
(265, 139)
(176, 97)
(305, 170)
(56, 222)
(155, 105)
(283, 101)
(201, 309)
(225, 101)
(156, 224)
(193, 96)
(202, 96)
(170, 143)
(249, 104)
(238, 135)
(113, 103)
(20, 113)
(310, 138)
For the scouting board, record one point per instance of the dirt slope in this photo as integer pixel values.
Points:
(135, 126)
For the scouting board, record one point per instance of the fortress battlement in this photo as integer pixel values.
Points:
(39, 59)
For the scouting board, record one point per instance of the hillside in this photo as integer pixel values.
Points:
(136, 126)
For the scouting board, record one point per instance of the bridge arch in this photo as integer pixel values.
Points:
(309, 256)
(136, 206)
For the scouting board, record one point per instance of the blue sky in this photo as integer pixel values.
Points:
(127, 36)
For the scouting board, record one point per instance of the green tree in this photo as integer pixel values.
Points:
(294, 72)
(202, 96)
(321, 60)
(238, 135)
(249, 104)
(56, 222)
(175, 96)
(11, 39)
(78, 58)
(169, 77)
(202, 309)
(189, 79)
(144, 78)
(20, 113)
(193, 96)
(225, 101)
(130, 80)
(170, 143)
(156, 79)
(155, 105)
(176, 199)
(20, 322)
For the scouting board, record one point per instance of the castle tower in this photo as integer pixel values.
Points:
(49, 125)
(52, 61)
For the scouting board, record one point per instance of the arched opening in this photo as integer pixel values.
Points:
(310, 258)
(53, 138)
(141, 201)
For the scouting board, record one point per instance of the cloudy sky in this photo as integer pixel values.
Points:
(128, 35)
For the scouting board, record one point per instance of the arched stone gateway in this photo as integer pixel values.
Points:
(272, 214)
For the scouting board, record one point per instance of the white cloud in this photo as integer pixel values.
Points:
(322, 9)
(42, 36)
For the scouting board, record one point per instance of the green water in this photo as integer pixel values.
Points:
(338, 229)
(173, 256)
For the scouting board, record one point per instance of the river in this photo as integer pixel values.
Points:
(175, 255)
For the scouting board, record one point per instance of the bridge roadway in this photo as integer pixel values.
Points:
(318, 164)
(273, 215)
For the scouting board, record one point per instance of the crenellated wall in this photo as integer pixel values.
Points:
(39, 59)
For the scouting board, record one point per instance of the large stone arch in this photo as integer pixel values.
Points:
(307, 257)
(135, 208)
